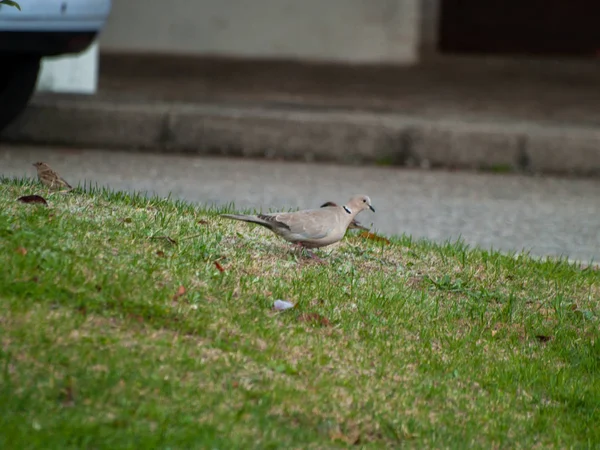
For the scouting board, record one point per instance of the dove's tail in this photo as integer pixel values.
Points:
(245, 218)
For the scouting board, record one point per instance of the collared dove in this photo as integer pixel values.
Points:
(311, 228)
(354, 225)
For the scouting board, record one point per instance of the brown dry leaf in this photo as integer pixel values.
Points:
(22, 251)
(202, 222)
(373, 237)
(180, 292)
(315, 318)
(219, 266)
(160, 253)
(33, 199)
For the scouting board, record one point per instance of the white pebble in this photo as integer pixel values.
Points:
(282, 305)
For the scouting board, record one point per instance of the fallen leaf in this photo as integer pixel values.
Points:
(314, 318)
(160, 253)
(542, 338)
(373, 237)
(180, 292)
(33, 199)
(22, 251)
(166, 238)
(282, 305)
(202, 222)
(219, 266)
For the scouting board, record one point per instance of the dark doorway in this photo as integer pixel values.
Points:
(533, 27)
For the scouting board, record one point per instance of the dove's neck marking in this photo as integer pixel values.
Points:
(348, 210)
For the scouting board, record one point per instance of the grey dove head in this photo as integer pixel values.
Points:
(359, 203)
(354, 225)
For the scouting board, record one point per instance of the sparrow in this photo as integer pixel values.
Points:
(50, 178)
(354, 225)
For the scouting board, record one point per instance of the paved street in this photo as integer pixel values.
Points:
(549, 216)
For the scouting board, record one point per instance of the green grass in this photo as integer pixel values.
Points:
(391, 344)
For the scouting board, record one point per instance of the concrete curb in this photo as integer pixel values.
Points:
(305, 134)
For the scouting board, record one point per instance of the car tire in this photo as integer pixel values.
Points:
(18, 78)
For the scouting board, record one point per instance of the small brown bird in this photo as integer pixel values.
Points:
(50, 178)
(354, 225)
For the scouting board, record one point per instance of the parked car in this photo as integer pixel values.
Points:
(41, 28)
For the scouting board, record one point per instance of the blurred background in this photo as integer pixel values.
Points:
(359, 31)
(460, 118)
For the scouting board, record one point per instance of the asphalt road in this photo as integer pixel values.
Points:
(547, 216)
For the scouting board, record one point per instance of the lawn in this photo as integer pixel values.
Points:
(128, 322)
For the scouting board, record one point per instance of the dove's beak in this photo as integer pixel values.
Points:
(371, 208)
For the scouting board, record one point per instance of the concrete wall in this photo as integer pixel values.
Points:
(371, 31)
